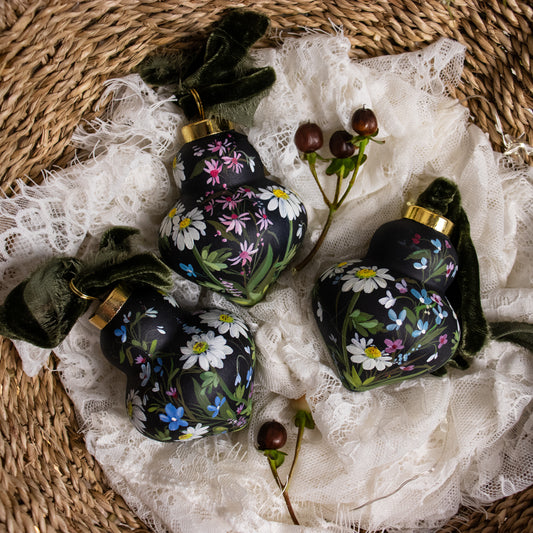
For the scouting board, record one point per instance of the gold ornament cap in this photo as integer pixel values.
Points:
(110, 307)
(204, 128)
(429, 218)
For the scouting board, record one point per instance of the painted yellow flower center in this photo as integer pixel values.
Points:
(185, 436)
(342, 264)
(172, 213)
(226, 318)
(184, 222)
(366, 273)
(372, 352)
(130, 409)
(280, 194)
(174, 162)
(199, 347)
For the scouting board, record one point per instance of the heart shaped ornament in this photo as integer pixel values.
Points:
(189, 375)
(385, 318)
(233, 230)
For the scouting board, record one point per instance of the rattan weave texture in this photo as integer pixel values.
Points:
(55, 56)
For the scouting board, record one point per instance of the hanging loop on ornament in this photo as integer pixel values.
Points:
(198, 101)
(77, 292)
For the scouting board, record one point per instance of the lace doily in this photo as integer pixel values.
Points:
(402, 457)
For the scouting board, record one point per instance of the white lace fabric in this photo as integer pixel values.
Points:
(402, 457)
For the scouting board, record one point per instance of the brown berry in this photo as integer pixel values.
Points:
(340, 145)
(272, 436)
(308, 138)
(364, 122)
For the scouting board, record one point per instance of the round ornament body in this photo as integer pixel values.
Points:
(189, 375)
(385, 318)
(233, 230)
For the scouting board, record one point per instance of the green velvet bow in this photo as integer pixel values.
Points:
(43, 308)
(222, 73)
(442, 197)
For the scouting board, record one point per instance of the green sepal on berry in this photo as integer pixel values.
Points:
(304, 419)
(341, 166)
(275, 456)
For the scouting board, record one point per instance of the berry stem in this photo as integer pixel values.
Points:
(288, 503)
(301, 428)
(312, 168)
(360, 156)
(319, 242)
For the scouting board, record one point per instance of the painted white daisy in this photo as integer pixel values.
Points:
(166, 226)
(224, 322)
(195, 432)
(206, 349)
(188, 229)
(281, 199)
(170, 299)
(135, 407)
(339, 268)
(365, 279)
(363, 351)
(178, 169)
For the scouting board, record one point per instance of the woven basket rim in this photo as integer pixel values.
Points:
(51, 84)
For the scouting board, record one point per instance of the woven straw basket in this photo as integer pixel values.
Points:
(55, 56)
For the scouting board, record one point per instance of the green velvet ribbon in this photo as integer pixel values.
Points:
(443, 197)
(222, 73)
(43, 309)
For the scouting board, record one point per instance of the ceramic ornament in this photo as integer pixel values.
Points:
(189, 375)
(385, 318)
(232, 230)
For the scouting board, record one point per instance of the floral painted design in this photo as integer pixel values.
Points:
(233, 230)
(381, 326)
(189, 375)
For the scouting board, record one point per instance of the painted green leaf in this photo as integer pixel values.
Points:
(262, 271)
(210, 380)
(353, 378)
(365, 323)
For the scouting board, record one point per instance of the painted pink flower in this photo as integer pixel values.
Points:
(213, 169)
(443, 339)
(416, 238)
(209, 206)
(262, 220)
(245, 255)
(219, 146)
(393, 346)
(173, 393)
(233, 162)
(228, 202)
(235, 222)
(437, 299)
(246, 192)
(407, 368)
(140, 359)
(449, 268)
(402, 287)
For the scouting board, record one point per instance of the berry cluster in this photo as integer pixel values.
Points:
(348, 156)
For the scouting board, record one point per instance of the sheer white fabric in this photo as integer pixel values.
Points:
(400, 457)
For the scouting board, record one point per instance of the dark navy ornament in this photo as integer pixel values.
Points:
(188, 375)
(385, 318)
(232, 230)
